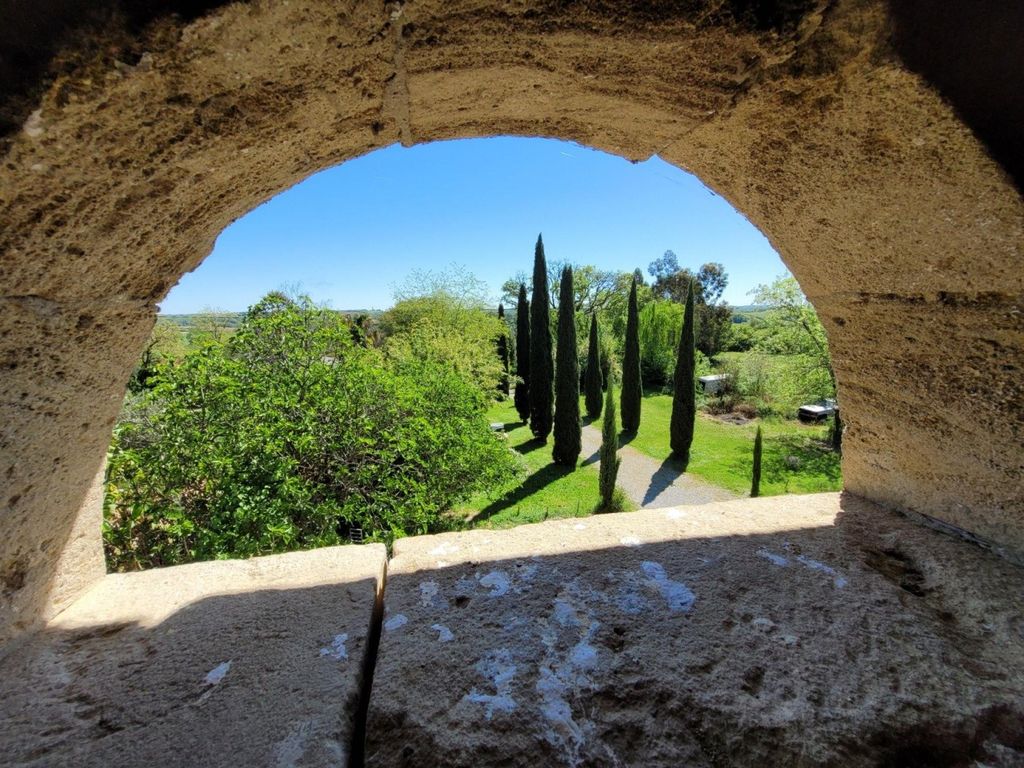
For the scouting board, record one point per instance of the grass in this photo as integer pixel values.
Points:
(548, 492)
(795, 460)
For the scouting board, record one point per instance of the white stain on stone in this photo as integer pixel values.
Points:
(217, 674)
(497, 667)
(762, 623)
(336, 650)
(397, 621)
(630, 541)
(579, 527)
(677, 595)
(290, 750)
(564, 671)
(776, 559)
(497, 581)
(444, 634)
(789, 640)
(674, 514)
(444, 549)
(814, 565)
(430, 595)
(34, 125)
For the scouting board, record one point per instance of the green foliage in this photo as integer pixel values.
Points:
(445, 329)
(609, 454)
(792, 327)
(684, 402)
(166, 345)
(755, 482)
(289, 435)
(659, 324)
(594, 377)
(522, 394)
(776, 384)
(567, 429)
(632, 389)
(713, 318)
(542, 371)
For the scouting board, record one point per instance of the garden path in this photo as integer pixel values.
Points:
(651, 483)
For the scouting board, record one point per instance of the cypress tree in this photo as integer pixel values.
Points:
(609, 469)
(542, 369)
(755, 484)
(522, 398)
(837, 433)
(503, 353)
(568, 436)
(594, 380)
(684, 401)
(632, 389)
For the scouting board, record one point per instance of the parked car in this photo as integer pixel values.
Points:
(818, 411)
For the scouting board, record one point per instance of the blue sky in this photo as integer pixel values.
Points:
(349, 234)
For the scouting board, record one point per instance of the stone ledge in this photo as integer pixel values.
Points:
(227, 663)
(811, 630)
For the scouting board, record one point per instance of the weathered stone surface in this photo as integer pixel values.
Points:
(815, 630)
(142, 135)
(229, 663)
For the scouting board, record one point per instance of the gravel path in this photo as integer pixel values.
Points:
(650, 483)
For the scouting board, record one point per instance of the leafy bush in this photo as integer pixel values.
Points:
(289, 435)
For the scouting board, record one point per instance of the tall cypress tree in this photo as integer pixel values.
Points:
(593, 381)
(542, 369)
(522, 398)
(568, 436)
(755, 483)
(503, 352)
(684, 399)
(609, 469)
(632, 388)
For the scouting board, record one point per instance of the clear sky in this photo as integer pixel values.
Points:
(349, 234)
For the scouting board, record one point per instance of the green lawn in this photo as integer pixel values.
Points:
(549, 491)
(795, 459)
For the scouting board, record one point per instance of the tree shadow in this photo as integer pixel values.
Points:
(530, 445)
(593, 458)
(540, 479)
(664, 476)
(625, 438)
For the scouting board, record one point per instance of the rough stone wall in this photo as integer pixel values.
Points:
(151, 133)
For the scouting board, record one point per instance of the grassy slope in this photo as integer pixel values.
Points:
(722, 453)
(548, 492)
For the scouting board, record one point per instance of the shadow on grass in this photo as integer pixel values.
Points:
(530, 445)
(539, 480)
(670, 469)
(788, 458)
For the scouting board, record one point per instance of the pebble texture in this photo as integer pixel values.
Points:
(130, 142)
(245, 662)
(815, 630)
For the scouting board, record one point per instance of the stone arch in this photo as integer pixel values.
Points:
(134, 139)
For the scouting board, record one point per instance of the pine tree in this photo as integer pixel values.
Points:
(609, 469)
(755, 484)
(594, 380)
(503, 352)
(684, 399)
(522, 397)
(632, 388)
(542, 369)
(568, 435)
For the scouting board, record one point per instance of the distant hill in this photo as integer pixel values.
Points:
(234, 319)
